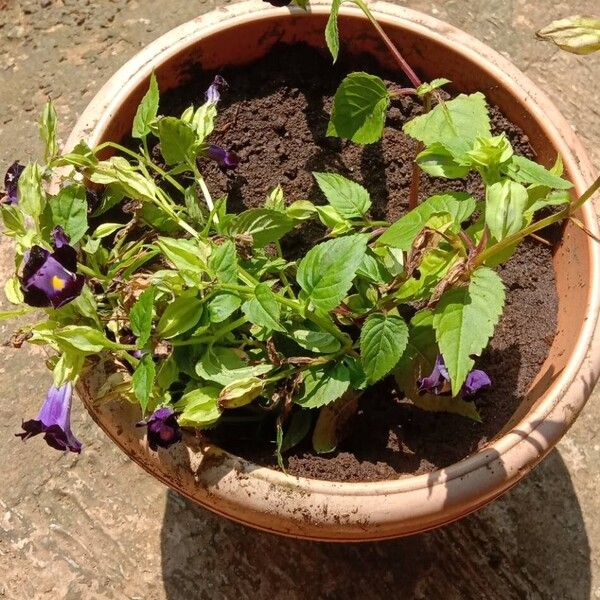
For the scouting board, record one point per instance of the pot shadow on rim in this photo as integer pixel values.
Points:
(530, 543)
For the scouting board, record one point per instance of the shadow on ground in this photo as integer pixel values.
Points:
(531, 543)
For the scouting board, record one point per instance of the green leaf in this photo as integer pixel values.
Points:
(203, 121)
(359, 109)
(223, 262)
(434, 84)
(68, 367)
(323, 385)
(263, 309)
(326, 272)
(523, 170)
(348, 198)
(437, 161)
(402, 233)
(316, 340)
(301, 210)
(185, 255)
(140, 316)
(332, 423)
(199, 408)
(382, 341)
(578, 34)
(225, 366)
(299, 426)
(176, 139)
(143, 380)
(505, 202)
(146, 111)
(48, 131)
(69, 210)
(464, 321)
(13, 291)
(180, 316)
(117, 170)
(83, 338)
(556, 198)
(455, 124)
(331, 218)
(222, 306)
(373, 269)
(332, 37)
(32, 199)
(14, 221)
(241, 392)
(275, 200)
(263, 224)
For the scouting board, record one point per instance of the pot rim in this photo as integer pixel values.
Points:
(568, 393)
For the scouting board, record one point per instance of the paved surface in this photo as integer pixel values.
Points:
(96, 526)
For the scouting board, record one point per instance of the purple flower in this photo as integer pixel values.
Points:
(163, 428)
(213, 93)
(11, 182)
(54, 420)
(227, 159)
(438, 382)
(50, 279)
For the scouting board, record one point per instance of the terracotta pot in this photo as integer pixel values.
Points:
(306, 508)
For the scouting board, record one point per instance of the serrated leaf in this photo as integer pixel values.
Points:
(263, 224)
(578, 34)
(143, 380)
(199, 408)
(348, 198)
(82, 338)
(326, 272)
(13, 291)
(323, 385)
(263, 309)
(455, 124)
(359, 109)
(180, 316)
(523, 170)
(505, 203)
(185, 255)
(69, 210)
(332, 37)
(464, 321)
(383, 339)
(225, 366)
(146, 111)
(275, 200)
(222, 306)
(301, 210)
(117, 170)
(176, 139)
(403, 232)
(140, 316)
(373, 269)
(223, 262)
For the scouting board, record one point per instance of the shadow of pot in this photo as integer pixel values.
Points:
(301, 507)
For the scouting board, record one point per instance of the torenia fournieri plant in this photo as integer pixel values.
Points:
(201, 319)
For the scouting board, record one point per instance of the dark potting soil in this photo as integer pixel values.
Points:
(275, 116)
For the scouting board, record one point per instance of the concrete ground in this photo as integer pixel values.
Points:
(96, 526)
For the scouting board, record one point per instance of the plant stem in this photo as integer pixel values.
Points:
(406, 68)
(550, 220)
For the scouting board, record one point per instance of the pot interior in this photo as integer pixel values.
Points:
(430, 57)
